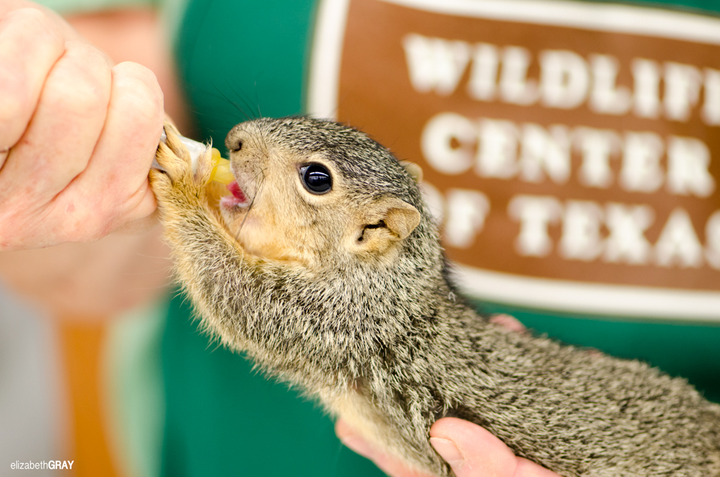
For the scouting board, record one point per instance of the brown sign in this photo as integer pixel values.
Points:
(552, 150)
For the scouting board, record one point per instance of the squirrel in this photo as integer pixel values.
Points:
(325, 267)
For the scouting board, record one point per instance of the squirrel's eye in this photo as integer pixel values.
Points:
(316, 178)
(238, 146)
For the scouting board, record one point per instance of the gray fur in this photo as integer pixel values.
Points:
(396, 338)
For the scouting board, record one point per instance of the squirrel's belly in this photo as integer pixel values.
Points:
(354, 409)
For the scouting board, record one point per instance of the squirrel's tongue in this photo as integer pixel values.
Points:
(236, 191)
(237, 198)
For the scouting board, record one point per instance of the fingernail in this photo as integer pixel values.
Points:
(448, 451)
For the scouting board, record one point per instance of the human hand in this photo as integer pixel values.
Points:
(470, 450)
(77, 134)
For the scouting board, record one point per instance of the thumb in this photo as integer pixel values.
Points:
(472, 451)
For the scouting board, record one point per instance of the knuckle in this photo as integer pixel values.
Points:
(139, 72)
(139, 93)
(32, 21)
(26, 27)
(81, 101)
(79, 84)
(22, 31)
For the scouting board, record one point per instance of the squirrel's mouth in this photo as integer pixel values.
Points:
(237, 197)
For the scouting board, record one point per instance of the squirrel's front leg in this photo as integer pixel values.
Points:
(182, 197)
(208, 261)
(176, 186)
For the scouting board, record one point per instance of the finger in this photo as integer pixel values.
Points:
(472, 451)
(508, 322)
(117, 174)
(29, 47)
(391, 466)
(113, 190)
(526, 468)
(132, 131)
(62, 134)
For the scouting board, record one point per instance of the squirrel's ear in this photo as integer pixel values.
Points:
(384, 223)
(401, 218)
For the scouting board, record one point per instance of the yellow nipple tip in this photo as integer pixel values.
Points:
(221, 169)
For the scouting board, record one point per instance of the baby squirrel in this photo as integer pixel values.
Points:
(325, 267)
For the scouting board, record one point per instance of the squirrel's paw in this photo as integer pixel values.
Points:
(173, 157)
(175, 179)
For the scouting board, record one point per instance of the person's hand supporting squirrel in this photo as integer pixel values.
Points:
(77, 134)
(470, 450)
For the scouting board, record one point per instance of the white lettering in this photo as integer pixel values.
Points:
(498, 149)
(646, 77)
(452, 144)
(515, 87)
(535, 213)
(447, 141)
(484, 72)
(678, 242)
(597, 146)
(711, 106)
(435, 64)
(606, 97)
(682, 90)
(626, 242)
(564, 79)
(641, 170)
(688, 161)
(467, 210)
(580, 238)
(543, 152)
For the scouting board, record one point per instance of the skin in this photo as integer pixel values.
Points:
(59, 205)
(102, 120)
(470, 450)
(103, 116)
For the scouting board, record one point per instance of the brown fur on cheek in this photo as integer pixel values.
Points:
(272, 229)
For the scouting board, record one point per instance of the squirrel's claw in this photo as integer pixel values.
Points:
(173, 157)
(173, 183)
